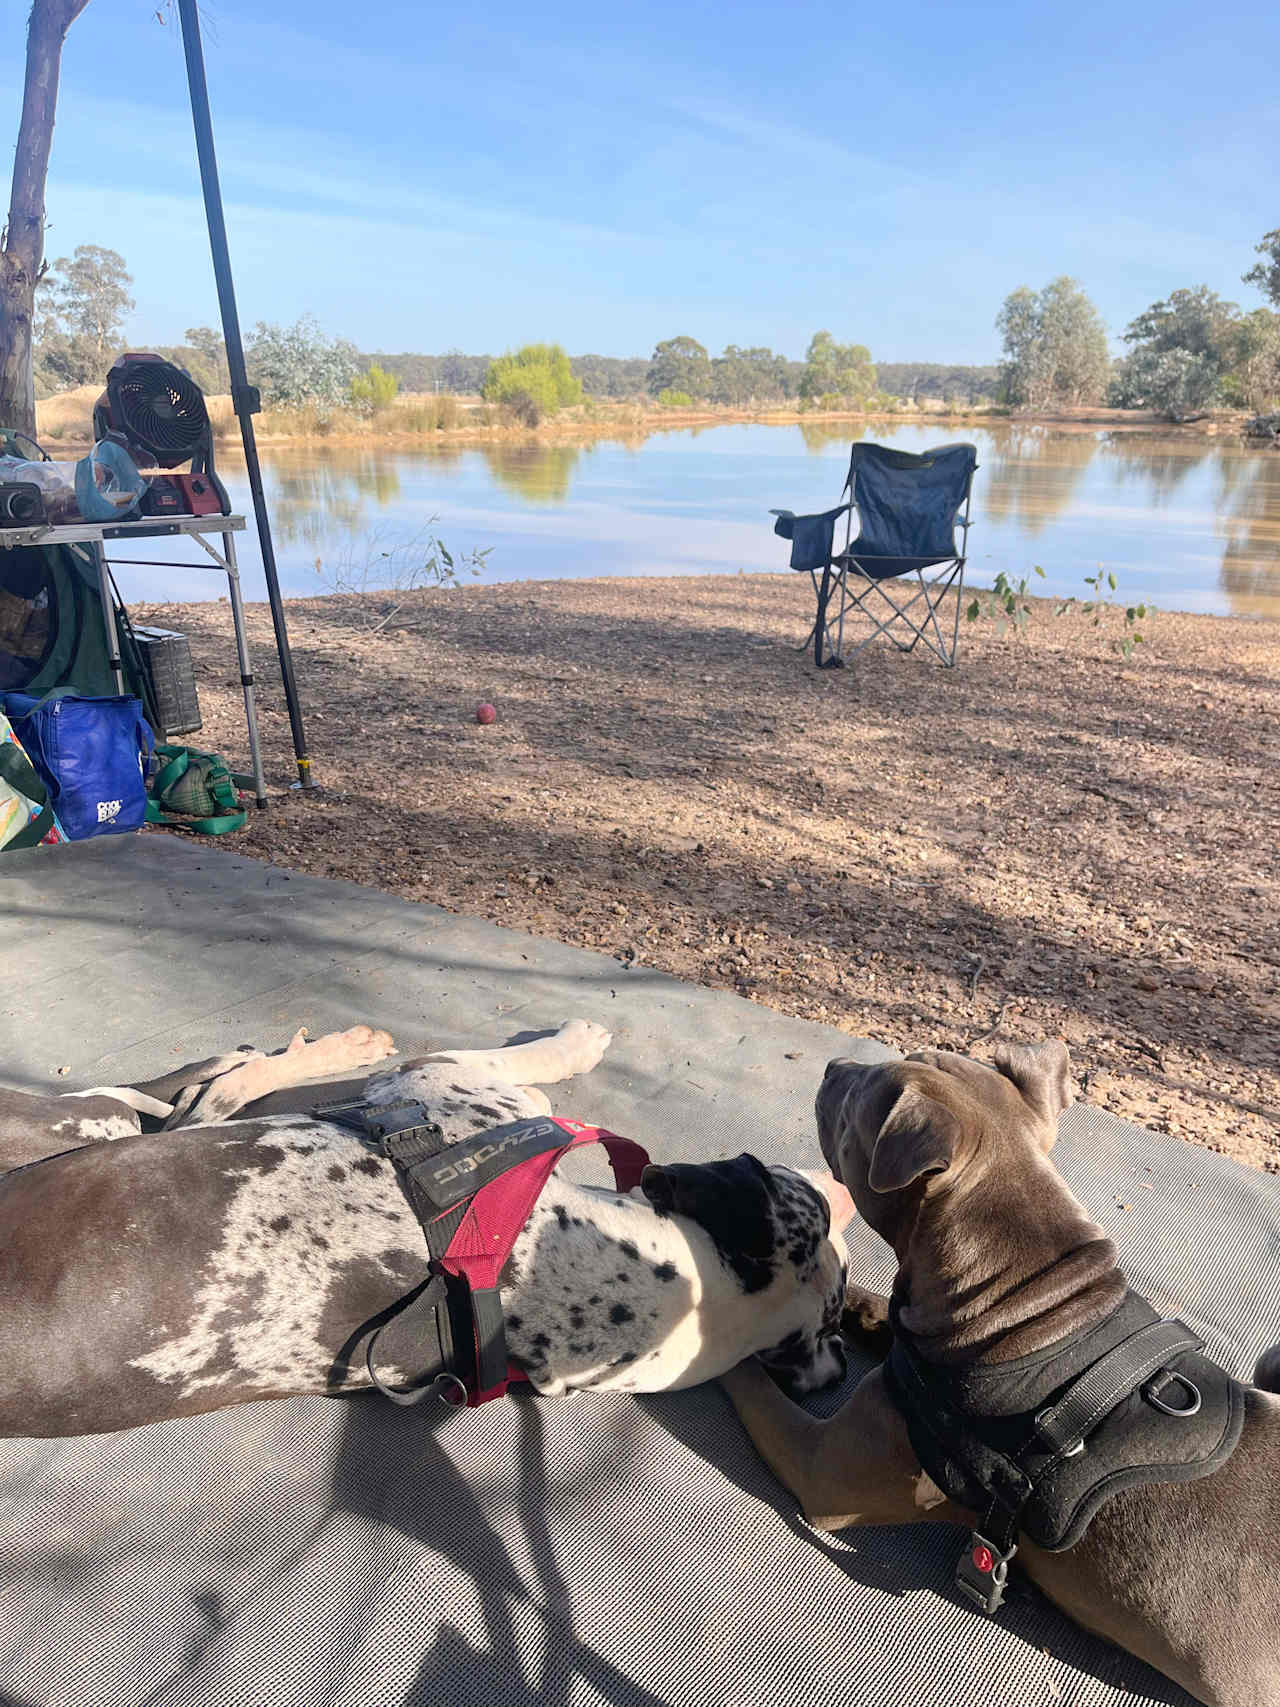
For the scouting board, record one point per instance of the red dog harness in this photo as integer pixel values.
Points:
(472, 1200)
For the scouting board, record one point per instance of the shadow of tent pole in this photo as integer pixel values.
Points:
(244, 397)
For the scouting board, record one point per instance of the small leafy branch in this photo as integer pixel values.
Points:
(1133, 614)
(1005, 604)
(396, 572)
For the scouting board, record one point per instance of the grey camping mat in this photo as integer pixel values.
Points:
(344, 1553)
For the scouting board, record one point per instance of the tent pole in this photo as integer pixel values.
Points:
(108, 614)
(244, 397)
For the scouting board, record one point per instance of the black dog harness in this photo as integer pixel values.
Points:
(1038, 1443)
(472, 1201)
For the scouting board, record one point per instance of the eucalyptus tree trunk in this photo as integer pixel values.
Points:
(22, 241)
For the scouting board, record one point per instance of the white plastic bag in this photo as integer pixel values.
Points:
(56, 480)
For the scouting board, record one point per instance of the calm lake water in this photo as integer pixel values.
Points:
(1188, 523)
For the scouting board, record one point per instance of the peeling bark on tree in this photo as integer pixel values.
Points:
(22, 244)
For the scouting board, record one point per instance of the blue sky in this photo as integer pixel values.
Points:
(605, 176)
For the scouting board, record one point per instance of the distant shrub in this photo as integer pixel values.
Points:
(673, 399)
(297, 364)
(429, 414)
(304, 421)
(532, 382)
(373, 390)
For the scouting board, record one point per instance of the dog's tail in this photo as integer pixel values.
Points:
(138, 1101)
(1266, 1372)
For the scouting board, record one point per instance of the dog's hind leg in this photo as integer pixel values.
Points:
(131, 1097)
(169, 1087)
(301, 1063)
(576, 1048)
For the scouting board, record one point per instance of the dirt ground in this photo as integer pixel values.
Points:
(1048, 840)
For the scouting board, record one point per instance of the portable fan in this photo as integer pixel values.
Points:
(157, 412)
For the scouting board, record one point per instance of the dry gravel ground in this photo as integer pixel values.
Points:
(1045, 841)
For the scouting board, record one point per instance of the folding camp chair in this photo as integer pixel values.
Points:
(908, 509)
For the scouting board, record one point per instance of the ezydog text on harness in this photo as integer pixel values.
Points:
(472, 1201)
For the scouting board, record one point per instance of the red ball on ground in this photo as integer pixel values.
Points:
(486, 713)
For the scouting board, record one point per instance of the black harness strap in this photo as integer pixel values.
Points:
(464, 1327)
(432, 1311)
(1063, 1427)
(490, 1345)
(1012, 1462)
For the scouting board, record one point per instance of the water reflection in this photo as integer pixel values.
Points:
(317, 496)
(1032, 474)
(1162, 467)
(1183, 521)
(541, 473)
(819, 436)
(1251, 562)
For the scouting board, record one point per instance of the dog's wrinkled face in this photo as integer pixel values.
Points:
(890, 1126)
(772, 1228)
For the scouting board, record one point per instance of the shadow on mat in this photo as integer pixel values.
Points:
(896, 1560)
(526, 1646)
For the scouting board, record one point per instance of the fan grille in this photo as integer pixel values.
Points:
(159, 409)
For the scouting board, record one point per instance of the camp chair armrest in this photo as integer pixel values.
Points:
(810, 536)
(817, 516)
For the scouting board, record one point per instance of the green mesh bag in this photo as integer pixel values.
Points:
(193, 791)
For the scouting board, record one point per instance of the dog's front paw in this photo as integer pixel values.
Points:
(584, 1043)
(341, 1051)
(865, 1321)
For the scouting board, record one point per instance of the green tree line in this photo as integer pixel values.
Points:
(1187, 353)
(1190, 352)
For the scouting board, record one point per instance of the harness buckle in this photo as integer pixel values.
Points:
(1047, 1438)
(982, 1571)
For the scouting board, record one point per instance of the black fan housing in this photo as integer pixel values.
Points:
(156, 410)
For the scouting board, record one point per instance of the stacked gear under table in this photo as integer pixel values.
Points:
(214, 534)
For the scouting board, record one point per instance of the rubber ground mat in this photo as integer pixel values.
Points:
(597, 1549)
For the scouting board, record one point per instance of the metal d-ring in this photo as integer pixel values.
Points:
(1153, 1398)
(438, 1387)
(444, 1381)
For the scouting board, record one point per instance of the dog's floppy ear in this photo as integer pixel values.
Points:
(919, 1136)
(731, 1202)
(696, 1188)
(1041, 1071)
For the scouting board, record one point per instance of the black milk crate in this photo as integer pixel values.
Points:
(167, 657)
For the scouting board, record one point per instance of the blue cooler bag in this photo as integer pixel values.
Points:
(93, 756)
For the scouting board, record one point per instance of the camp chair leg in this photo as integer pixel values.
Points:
(955, 632)
(927, 627)
(820, 633)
